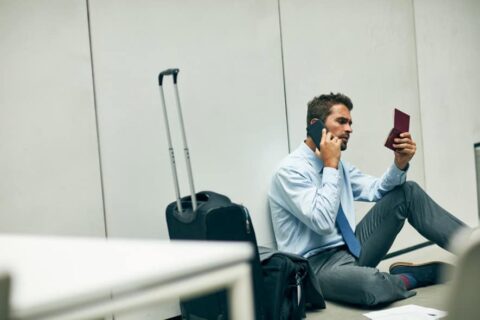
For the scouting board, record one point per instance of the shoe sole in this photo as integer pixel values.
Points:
(410, 264)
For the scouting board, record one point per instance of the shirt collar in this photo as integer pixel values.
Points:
(310, 156)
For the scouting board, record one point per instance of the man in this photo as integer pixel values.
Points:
(311, 202)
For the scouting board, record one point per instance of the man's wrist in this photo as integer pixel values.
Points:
(400, 166)
(331, 165)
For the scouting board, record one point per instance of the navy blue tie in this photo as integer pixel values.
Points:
(347, 233)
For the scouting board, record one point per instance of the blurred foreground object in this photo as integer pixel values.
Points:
(464, 301)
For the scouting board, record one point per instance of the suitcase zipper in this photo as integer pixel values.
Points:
(299, 279)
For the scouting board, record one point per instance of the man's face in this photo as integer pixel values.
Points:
(339, 123)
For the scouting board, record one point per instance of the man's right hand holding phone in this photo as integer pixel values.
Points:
(330, 147)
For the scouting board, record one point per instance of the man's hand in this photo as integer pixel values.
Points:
(405, 149)
(329, 149)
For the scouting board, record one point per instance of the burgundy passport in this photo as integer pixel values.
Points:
(401, 123)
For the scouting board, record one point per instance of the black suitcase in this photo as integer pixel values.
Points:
(207, 216)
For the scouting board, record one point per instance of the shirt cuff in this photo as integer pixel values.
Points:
(398, 173)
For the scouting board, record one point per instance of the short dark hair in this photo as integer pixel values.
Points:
(319, 107)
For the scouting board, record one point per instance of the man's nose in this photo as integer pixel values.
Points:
(348, 128)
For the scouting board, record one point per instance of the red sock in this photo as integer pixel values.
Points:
(408, 280)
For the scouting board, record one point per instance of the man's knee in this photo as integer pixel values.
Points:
(402, 196)
(412, 186)
(412, 190)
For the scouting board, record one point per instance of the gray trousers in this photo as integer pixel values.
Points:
(344, 278)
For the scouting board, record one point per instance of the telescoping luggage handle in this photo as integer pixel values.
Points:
(174, 73)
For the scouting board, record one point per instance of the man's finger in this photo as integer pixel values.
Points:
(399, 140)
(329, 136)
(324, 133)
(405, 151)
(403, 146)
(404, 140)
(405, 135)
(337, 141)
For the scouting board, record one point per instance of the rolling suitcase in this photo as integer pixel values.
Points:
(207, 216)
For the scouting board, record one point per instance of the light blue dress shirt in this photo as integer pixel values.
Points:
(304, 199)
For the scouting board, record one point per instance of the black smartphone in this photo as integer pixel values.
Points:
(315, 132)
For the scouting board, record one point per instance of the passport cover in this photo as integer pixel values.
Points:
(401, 123)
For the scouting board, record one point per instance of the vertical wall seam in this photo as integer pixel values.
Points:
(96, 119)
(283, 75)
(476, 154)
(419, 99)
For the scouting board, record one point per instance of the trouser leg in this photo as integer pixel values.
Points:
(341, 279)
(345, 279)
(379, 228)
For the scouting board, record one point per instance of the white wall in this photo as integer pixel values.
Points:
(49, 167)
(448, 37)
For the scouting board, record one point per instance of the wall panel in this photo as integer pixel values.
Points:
(49, 157)
(448, 36)
(230, 85)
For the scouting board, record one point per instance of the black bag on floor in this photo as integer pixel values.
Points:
(291, 285)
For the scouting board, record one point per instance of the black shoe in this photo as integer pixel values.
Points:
(426, 274)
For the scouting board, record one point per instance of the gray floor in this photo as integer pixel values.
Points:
(431, 297)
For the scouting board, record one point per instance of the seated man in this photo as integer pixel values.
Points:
(311, 202)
